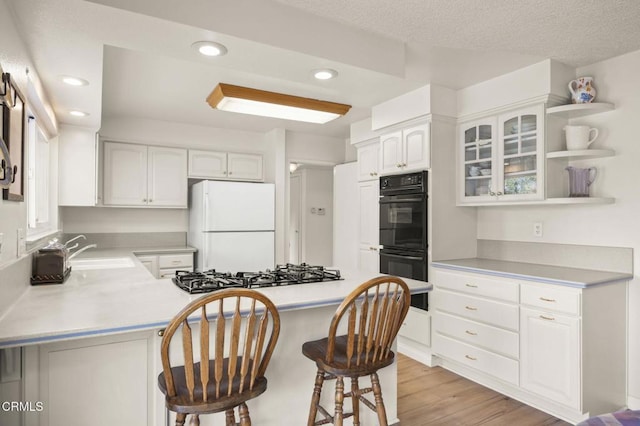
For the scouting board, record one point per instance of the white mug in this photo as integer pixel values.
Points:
(578, 137)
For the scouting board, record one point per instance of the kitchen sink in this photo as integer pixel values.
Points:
(102, 263)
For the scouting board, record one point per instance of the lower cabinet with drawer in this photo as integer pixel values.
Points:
(557, 348)
(165, 265)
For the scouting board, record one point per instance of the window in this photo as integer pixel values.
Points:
(41, 208)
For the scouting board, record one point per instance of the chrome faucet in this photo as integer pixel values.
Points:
(73, 239)
(82, 249)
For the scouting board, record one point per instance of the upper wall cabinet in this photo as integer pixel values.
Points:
(501, 157)
(368, 154)
(144, 176)
(223, 165)
(405, 150)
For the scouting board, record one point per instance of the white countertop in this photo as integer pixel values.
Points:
(571, 277)
(108, 301)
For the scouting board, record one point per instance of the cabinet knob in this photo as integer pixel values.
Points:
(224, 173)
(144, 200)
(370, 173)
(500, 193)
(404, 164)
(398, 165)
(161, 332)
(492, 193)
(375, 174)
(150, 200)
(230, 173)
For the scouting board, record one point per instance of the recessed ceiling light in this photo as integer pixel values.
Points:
(74, 81)
(325, 74)
(78, 113)
(209, 48)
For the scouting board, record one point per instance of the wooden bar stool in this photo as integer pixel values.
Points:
(242, 347)
(374, 313)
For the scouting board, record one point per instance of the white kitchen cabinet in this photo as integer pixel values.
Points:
(165, 265)
(550, 355)
(405, 150)
(100, 381)
(245, 166)
(368, 235)
(207, 164)
(167, 172)
(417, 326)
(547, 345)
(368, 156)
(475, 324)
(223, 165)
(144, 176)
(501, 158)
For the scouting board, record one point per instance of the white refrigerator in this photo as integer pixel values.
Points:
(232, 224)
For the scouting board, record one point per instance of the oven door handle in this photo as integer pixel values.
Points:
(403, 257)
(384, 200)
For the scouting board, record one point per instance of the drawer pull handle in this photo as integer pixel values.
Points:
(544, 299)
(471, 333)
(547, 318)
(471, 308)
(471, 285)
(471, 358)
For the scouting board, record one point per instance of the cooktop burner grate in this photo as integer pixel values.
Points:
(288, 274)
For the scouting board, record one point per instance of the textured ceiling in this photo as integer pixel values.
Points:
(137, 57)
(576, 32)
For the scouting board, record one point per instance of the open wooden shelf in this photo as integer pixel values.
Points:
(580, 110)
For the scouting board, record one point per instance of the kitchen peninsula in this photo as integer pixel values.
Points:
(102, 326)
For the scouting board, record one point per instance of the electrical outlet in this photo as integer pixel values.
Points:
(537, 229)
(22, 243)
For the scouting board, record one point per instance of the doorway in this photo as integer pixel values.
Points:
(295, 201)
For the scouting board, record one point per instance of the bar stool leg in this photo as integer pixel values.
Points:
(377, 392)
(337, 420)
(195, 420)
(243, 410)
(315, 398)
(180, 418)
(355, 401)
(230, 418)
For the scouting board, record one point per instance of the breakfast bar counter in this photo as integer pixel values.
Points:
(105, 324)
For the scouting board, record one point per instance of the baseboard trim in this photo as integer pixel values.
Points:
(633, 402)
(415, 351)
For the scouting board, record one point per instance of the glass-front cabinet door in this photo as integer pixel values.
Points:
(477, 143)
(521, 154)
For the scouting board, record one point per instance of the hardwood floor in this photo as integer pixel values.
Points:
(435, 396)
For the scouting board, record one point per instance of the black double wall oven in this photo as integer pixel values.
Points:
(403, 228)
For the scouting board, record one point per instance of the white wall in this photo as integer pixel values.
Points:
(317, 230)
(117, 220)
(614, 225)
(15, 59)
(315, 149)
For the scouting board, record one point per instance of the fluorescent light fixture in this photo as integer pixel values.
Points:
(227, 97)
(74, 81)
(209, 48)
(78, 113)
(325, 74)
